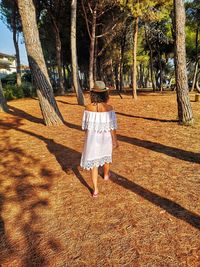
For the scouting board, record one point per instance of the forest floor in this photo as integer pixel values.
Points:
(146, 215)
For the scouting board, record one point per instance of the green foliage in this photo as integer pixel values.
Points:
(12, 91)
(190, 43)
(10, 79)
(148, 10)
(10, 15)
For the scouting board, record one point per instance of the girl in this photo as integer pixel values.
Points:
(99, 121)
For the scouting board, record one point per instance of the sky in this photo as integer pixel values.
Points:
(7, 46)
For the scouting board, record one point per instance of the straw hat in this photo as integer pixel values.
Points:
(99, 86)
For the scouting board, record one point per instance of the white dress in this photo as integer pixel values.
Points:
(98, 140)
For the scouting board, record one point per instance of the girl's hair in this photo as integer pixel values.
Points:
(99, 97)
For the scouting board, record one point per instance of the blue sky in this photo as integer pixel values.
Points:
(7, 46)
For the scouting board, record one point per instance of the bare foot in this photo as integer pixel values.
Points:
(107, 177)
(95, 193)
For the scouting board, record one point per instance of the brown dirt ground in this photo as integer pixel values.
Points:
(146, 215)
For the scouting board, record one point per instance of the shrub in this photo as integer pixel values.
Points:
(9, 79)
(14, 91)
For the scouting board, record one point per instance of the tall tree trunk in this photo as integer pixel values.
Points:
(151, 69)
(3, 105)
(92, 48)
(161, 70)
(48, 105)
(134, 70)
(112, 73)
(123, 43)
(95, 59)
(58, 44)
(64, 76)
(117, 76)
(77, 87)
(198, 82)
(184, 106)
(151, 61)
(197, 61)
(15, 40)
(141, 74)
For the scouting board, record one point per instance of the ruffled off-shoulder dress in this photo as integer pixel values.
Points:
(98, 140)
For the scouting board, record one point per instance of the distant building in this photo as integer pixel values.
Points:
(24, 69)
(7, 64)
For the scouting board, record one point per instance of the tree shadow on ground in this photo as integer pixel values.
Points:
(67, 103)
(6, 248)
(68, 158)
(170, 206)
(22, 114)
(72, 158)
(145, 118)
(21, 189)
(167, 150)
(154, 146)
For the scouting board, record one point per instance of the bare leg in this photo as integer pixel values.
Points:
(106, 169)
(94, 173)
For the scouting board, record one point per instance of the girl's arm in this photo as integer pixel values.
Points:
(114, 138)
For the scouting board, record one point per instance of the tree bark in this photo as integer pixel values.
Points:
(95, 59)
(58, 44)
(92, 48)
(112, 73)
(151, 68)
(3, 104)
(184, 106)
(161, 70)
(123, 43)
(48, 105)
(151, 60)
(75, 77)
(134, 68)
(117, 76)
(15, 40)
(197, 61)
(197, 82)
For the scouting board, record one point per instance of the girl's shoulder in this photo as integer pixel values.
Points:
(90, 107)
(110, 107)
(101, 108)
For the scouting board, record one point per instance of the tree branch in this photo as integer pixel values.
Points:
(86, 19)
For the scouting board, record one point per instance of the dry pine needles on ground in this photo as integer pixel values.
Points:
(146, 215)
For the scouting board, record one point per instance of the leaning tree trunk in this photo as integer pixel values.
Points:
(3, 105)
(15, 40)
(197, 61)
(92, 48)
(75, 77)
(184, 106)
(134, 70)
(48, 105)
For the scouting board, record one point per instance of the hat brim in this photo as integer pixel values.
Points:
(100, 90)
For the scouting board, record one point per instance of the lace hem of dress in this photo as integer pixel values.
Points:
(89, 164)
(99, 127)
